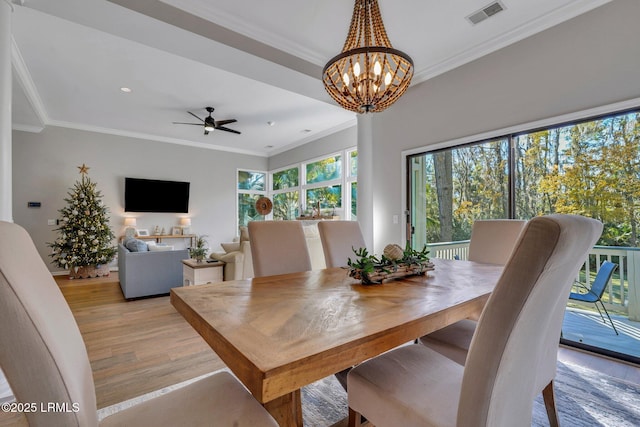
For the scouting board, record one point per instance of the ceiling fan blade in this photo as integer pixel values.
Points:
(225, 122)
(227, 129)
(181, 123)
(202, 120)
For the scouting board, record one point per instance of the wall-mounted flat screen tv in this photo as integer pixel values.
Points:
(152, 195)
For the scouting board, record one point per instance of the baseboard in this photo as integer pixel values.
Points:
(66, 272)
(621, 357)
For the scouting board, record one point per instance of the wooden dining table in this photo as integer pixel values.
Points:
(280, 333)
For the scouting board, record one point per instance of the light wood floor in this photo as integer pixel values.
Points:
(136, 347)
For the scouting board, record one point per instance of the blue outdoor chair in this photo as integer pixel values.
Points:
(594, 294)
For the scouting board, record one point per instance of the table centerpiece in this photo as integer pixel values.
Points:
(394, 263)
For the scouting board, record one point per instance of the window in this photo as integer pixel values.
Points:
(328, 169)
(299, 190)
(251, 186)
(589, 168)
(352, 181)
(452, 188)
(286, 193)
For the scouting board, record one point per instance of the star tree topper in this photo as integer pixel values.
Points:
(84, 169)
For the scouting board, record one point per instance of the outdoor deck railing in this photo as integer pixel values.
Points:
(623, 291)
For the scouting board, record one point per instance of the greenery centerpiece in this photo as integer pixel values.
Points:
(395, 262)
(84, 242)
(199, 251)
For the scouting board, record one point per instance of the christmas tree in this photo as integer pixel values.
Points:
(84, 237)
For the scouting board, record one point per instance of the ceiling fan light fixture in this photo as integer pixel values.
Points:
(209, 123)
(368, 75)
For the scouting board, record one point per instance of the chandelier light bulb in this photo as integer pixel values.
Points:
(377, 68)
(356, 69)
(345, 77)
(387, 79)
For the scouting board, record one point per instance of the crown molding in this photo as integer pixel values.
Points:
(23, 77)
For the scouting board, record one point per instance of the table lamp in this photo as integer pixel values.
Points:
(130, 224)
(185, 223)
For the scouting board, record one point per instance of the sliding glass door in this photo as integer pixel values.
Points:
(590, 168)
(452, 188)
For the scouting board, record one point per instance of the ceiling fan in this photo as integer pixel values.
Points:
(210, 124)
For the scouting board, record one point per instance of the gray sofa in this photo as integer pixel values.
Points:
(147, 273)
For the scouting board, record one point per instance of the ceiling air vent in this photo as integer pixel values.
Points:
(485, 12)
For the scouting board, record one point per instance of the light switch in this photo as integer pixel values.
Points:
(395, 219)
(51, 222)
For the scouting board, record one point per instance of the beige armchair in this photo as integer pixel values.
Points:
(237, 257)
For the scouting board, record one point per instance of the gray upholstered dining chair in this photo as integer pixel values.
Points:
(278, 247)
(492, 241)
(513, 353)
(339, 238)
(45, 360)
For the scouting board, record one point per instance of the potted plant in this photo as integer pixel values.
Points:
(199, 251)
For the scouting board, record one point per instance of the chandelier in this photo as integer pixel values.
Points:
(369, 75)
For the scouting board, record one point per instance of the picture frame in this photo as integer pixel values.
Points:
(142, 232)
(176, 231)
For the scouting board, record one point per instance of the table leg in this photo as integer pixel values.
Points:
(287, 409)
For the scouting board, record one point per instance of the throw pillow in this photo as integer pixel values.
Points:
(135, 245)
(230, 247)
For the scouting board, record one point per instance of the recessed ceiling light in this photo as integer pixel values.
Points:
(126, 89)
(306, 130)
(271, 123)
(268, 146)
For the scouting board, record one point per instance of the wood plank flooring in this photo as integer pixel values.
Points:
(136, 347)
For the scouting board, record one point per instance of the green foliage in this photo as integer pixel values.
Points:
(590, 169)
(324, 170)
(285, 205)
(199, 251)
(248, 180)
(285, 179)
(84, 237)
(367, 265)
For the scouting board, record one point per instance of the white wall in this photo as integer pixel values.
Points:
(590, 61)
(338, 141)
(45, 168)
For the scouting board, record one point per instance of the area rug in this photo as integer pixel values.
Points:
(585, 398)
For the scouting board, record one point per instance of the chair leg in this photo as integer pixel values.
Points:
(355, 419)
(550, 405)
(600, 311)
(609, 317)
